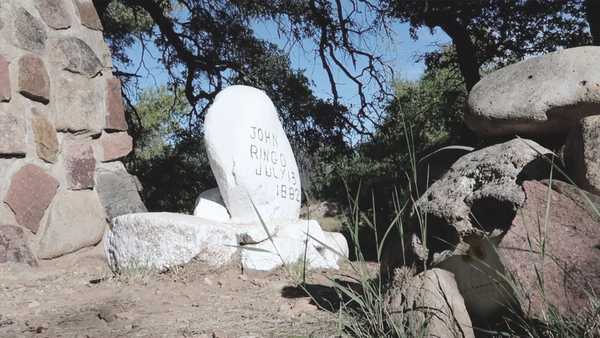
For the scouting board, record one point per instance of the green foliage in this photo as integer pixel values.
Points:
(121, 26)
(425, 115)
(496, 32)
(170, 161)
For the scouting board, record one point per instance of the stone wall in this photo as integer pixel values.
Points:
(62, 129)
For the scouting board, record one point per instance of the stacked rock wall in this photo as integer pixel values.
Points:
(61, 122)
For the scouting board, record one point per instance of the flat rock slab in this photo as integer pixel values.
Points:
(80, 164)
(4, 80)
(12, 133)
(31, 191)
(115, 146)
(30, 32)
(46, 141)
(542, 95)
(76, 220)
(54, 13)
(87, 14)
(14, 247)
(115, 112)
(250, 155)
(74, 55)
(300, 242)
(34, 82)
(582, 154)
(164, 240)
(75, 112)
(117, 190)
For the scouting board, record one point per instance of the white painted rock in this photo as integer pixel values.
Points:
(250, 155)
(210, 205)
(291, 244)
(339, 244)
(163, 240)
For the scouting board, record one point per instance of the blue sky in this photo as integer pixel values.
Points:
(401, 53)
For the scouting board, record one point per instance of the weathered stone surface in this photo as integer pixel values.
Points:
(54, 13)
(430, 303)
(210, 205)
(75, 220)
(482, 281)
(570, 264)
(115, 112)
(540, 95)
(74, 55)
(14, 247)
(12, 134)
(30, 33)
(582, 154)
(88, 15)
(117, 190)
(478, 197)
(115, 145)
(584, 199)
(31, 191)
(34, 82)
(45, 138)
(4, 80)
(251, 157)
(289, 245)
(434, 165)
(164, 240)
(80, 164)
(75, 111)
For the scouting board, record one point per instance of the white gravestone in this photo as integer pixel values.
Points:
(251, 157)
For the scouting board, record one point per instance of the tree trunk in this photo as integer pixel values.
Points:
(467, 59)
(592, 14)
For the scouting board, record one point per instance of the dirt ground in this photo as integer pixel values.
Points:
(77, 296)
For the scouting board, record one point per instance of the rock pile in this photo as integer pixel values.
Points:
(62, 130)
(253, 215)
(494, 219)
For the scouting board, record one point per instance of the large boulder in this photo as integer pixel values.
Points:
(251, 157)
(165, 240)
(434, 165)
(428, 304)
(582, 154)
(584, 199)
(539, 96)
(461, 217)
(557, 244)
(477, 198)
